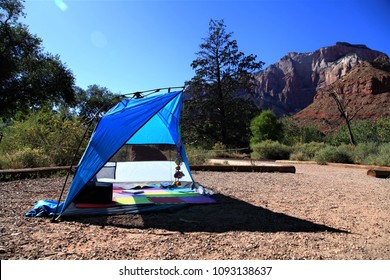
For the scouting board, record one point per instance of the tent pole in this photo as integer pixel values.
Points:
(138, 93)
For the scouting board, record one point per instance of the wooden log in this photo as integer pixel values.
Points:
(244, 168)
(42, 172)
(30, 173)
(379, 173)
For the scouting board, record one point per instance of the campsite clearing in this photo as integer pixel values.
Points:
(319, 212)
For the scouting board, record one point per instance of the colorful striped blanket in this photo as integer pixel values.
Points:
(151, 195)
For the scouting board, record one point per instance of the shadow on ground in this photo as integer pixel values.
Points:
(230, 214)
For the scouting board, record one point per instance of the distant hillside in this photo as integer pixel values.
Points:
(290, 84)
(365, 92)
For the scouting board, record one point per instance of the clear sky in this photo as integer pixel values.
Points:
(134, 45)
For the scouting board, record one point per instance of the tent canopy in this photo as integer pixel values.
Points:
(143, 121)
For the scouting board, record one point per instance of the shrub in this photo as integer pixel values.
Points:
(306, 151)
(364, 153)
(50, 137)
(270, 150)
(197, 156)
(363, 131)
(220, 150)
(383, 156)
(24, 158)
(341, 154)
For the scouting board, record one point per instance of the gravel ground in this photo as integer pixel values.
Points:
(320, 212)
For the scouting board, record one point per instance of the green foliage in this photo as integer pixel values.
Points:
(340, 154)
(93, 101)
(269, 149)
(218, 107)
(294, 134)
(291, 132)
(220, 150)
(29, 77)
(383, 157)
(25, 158)
(310, 134)
(265, 127)
(383, 130)
(364, 131)
(198, 156)
(306, 151)
(365, 153)
(372, 154)
(42, 139)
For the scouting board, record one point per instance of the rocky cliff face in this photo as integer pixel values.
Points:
(364, 92)
(290, 84)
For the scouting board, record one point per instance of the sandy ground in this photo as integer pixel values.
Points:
(319, 212)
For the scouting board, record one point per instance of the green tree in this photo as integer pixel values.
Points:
(266, 127)
(291, 131)
(29, 77)
(220, 107)
(93, 101)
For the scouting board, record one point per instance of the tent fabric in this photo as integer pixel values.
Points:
(44, 208)
(144, 171)
(150, 120)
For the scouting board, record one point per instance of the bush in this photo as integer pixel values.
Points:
(270, 150)
(49, 137)
(24, 158)
(220, 150)
(306, 151)
(383, 157)
(197, 156)
(365, 153)
(363, 131)
(341, 154)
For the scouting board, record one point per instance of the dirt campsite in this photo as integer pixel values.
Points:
(318, 212)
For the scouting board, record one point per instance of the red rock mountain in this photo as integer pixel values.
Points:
(290, 84)
(364, 92)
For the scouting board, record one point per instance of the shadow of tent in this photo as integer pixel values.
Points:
(230, 214)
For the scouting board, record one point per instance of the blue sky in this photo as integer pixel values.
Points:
(133, 45)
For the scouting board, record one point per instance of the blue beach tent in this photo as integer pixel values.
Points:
(140, 124)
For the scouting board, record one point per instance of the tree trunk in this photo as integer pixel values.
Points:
(344, 115)
(222, 110)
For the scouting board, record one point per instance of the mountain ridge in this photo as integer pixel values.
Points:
(289, 85)
(364, 93)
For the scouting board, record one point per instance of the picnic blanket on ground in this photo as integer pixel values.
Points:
(151, 195)
(128, 199)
